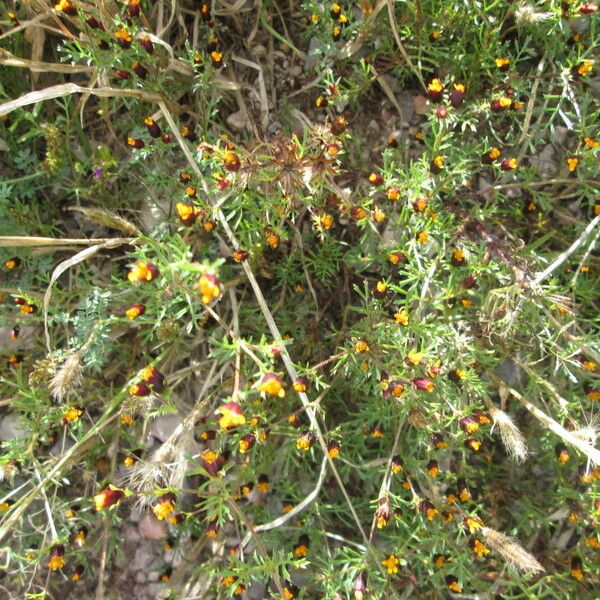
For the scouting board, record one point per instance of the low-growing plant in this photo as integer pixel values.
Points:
(300, 297)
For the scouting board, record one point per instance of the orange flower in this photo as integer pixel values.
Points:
(143, 271)
(135, 311)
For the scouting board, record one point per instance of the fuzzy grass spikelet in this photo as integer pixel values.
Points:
(512, 438)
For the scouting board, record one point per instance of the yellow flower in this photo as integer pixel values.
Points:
(423, 237)
(210, 288)
(164, 506)
(56, 562)
(438, 161)
(72, 414)
(326, 221)
(231, 416)
(401, 317)
(391, 564)
(414, 357)
(502, 63)
(272, 384)
(480, 549)
(393, 194)
(435, 85)
(590, 143)
(585, 68)
(361, 346)
(572, 162)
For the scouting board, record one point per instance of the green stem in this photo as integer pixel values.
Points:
(24, 178)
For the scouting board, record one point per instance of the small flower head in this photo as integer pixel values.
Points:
(361, 346)
(187, 213)
(423, 384)
(437, 164)
(439, 560)
(435, 90)
(393, 194)
(457, 95)
(401, 317)
(433, 468)
(209, 287)
(397, 466)
(212, 531)
(57, 557)
(473, 445)
(479, 548)
(232, 416)
(123, 38)
(231, 161)
(78, 573)
(414, 357)
(339, 124)
(428, 509)
(472, 524)
(108, 497)
(391, 564)
(501, 104)
(240, 256)
(503, 63)
(333, 449)
(305, 440)
(212, 462)
(438, 441)
(80, 537)
(143, 271)
(164, 506)
(572, 163)
(577, 569)
(72, 415)
(383, 512)
(509, 164)
(468, 424)
(246, 443)
(301, 548)
(583, 69)
(272, 237)
(135, 142)
(463, 491)
(263, 484)
(147, 45)
(272, 385)
(135, 311)
(13, 263)
(453, 585)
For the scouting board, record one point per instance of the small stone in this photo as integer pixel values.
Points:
(162, 427)
(11, 427)
(152, 529)
(140, 577)
(142, 558)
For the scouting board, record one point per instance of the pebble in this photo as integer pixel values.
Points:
(163, 426)
(11, 427)
(151, 528)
